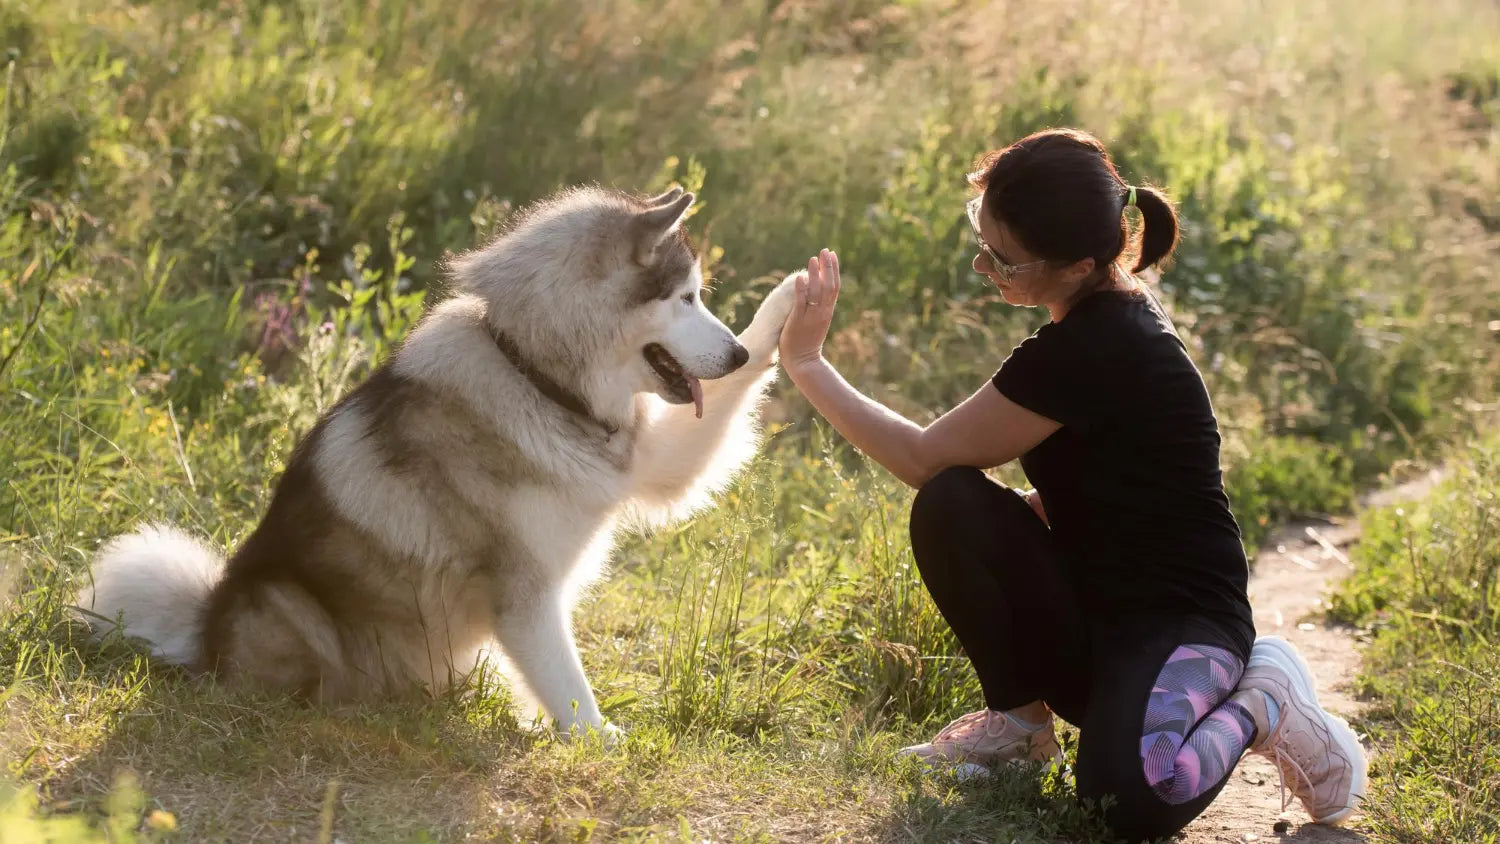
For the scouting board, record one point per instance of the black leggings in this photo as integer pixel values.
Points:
(1152, 698)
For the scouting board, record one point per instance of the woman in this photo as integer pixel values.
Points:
(1114, 593)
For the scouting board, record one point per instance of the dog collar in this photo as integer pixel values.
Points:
(560, 395)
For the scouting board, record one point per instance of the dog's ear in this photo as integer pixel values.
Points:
(662, 199)
(653, 225)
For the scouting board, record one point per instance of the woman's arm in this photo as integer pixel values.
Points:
(986, 430)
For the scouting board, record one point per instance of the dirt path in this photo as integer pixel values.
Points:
(1287, 588)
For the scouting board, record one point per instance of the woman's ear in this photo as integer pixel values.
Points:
(1078, 271)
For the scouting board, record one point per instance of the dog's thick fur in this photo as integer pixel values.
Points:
(470, 489)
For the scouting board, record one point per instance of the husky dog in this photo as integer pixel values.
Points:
(470, 489)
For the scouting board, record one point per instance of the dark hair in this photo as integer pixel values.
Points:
(1059, 193)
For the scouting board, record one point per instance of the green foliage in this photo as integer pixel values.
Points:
(1426, 584)
(1275, 479)
(122, 818)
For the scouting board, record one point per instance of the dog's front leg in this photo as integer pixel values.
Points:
(682, 460)
(538, 640)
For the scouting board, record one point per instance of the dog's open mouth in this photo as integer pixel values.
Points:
(681, 387)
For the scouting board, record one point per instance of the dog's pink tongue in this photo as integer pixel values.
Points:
(697, 389)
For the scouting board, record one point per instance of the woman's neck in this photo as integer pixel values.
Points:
(1113, 278)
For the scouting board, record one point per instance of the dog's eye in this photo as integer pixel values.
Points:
(689, 297)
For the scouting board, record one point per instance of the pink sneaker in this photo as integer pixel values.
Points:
(988, 737)
(1315, 752)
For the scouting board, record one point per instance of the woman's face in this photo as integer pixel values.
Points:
(1033, 282)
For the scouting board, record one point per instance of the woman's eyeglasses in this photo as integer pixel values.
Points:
(1005, 271)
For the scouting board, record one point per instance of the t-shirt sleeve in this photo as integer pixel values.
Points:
(1050, 375)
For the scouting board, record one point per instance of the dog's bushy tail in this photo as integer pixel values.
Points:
(155, 584)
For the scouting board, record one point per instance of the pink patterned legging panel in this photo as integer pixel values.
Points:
(1194, 734)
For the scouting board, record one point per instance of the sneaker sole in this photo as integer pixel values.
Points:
(969, 771)
(939, 760)
(965, 771)
(1338, 729)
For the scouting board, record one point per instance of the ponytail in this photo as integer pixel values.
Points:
(1159, 231)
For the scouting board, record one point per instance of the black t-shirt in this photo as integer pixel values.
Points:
(1131, 482)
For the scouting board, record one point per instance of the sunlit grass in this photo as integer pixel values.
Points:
(213, 218)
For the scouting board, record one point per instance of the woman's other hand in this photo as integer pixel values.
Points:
(1034, 498)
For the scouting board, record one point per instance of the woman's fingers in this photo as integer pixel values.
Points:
(820, 287)
(830, 275)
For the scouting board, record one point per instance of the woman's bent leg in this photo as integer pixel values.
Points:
(990, 565)
(1164, 737)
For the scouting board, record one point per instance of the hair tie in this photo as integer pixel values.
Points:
(1130, 200)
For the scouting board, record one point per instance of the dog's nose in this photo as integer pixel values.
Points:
(740, 355)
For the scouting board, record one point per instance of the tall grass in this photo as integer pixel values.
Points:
(1428, 588)
(215, 217)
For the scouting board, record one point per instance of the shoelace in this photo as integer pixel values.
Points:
(1279, 756)
(964, 725)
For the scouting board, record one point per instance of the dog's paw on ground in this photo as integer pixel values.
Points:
(609, 735)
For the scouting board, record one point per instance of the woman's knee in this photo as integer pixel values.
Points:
(1129, 813)
(961, 511)
(947, 493)
(961, 493)
(961, 499)
(1132, 808)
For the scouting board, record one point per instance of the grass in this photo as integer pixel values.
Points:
(214, 216)
(1427, 586)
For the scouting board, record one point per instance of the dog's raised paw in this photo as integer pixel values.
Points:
(764, 333)
(778, 304)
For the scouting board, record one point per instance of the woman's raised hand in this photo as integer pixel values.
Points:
(807, 327)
